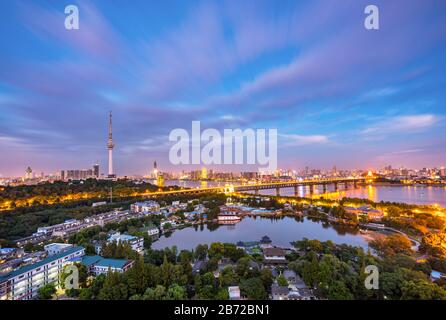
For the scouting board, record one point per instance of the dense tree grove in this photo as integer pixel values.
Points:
(167, 274)
(59, 191)
(23, 221)
(337, 272)
(435, 245)
(332, 271)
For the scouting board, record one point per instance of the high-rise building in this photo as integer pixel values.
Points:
(110, 146)
(28, 173)
(79, 174)
(204, 173)
(96, 170)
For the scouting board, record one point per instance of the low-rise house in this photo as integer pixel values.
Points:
(375, 215)
(199, 266)
(250, 247)
(301, 294)
(98, 265)
(55, 248)
(223, 263)
(200, 208)
(228, 218)
(153, 231)
(163, 223)
(192, 215)
(279, 292)
(274, 255)
(148, 207)
(366, 211)
(137, 243)
(290, 276)
(234, 293)
(34, 239)
(97, 245)
(11, 253)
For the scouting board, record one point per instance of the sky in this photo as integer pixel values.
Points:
(337, 93)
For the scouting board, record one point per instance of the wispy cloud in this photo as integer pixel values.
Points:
(95, 36)
(301, 140)
(402, 124)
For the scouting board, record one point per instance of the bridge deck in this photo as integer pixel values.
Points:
(260, 186)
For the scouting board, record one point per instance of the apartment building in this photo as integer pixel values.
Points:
(24, 283)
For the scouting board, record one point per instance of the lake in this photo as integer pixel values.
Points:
(281, 231)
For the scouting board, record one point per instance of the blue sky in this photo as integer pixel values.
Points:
(337, 93)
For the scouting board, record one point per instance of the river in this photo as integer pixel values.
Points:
(423, 195)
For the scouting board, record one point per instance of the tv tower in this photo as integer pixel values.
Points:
(110, 146)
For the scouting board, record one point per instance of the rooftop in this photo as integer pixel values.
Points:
(273, 252)
(281, 290)
(99, 261)
(121, 237)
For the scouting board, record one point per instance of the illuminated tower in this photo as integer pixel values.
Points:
(204, 173)
(110, 146)
(155, 170)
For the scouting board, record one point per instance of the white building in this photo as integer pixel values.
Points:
(163, 223)
(146, 207)
(136, 243)
(55, 248)
(234, 293)
(228, 217)
(24, 283)
(153, 231)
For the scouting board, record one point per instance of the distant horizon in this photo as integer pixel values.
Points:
(338, 94)
(219, 170)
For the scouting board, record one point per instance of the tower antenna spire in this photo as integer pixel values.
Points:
(110, 146)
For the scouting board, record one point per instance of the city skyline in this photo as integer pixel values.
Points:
(337, 93)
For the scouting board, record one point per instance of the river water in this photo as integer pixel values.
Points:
(423, 195)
